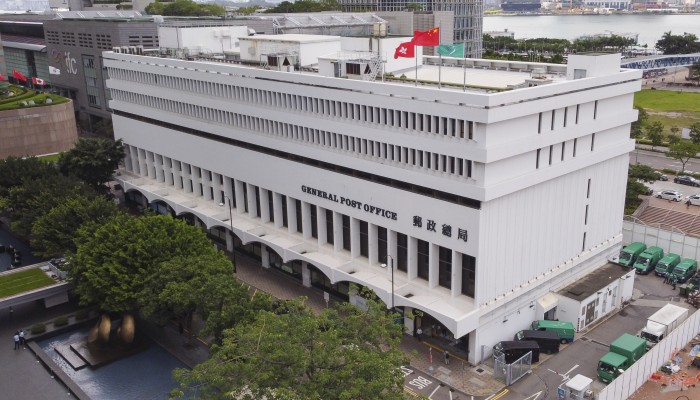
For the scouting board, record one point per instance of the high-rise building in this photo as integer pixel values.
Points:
(474, 200)
(468, 17)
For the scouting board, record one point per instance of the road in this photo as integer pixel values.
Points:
(659, 161)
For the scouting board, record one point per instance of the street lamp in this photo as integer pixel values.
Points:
(391, 265)
(230, 220)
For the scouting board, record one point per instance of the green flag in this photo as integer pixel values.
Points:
(451, 50)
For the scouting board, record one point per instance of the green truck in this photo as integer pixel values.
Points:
(685, 270)
(629, 254)
(624, 352)
(667, 264)
(646, 262)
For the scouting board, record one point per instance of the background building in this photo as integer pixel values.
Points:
(24, 47)
(468, 17)
(485, 203)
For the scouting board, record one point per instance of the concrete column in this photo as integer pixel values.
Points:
(264, 205)
(177, 174)
(373, 245)
(206, 185)
(168, 171)
(158, 164)
(412, 254)
(227, 191)
(217, 186)
(143, 164)
(265, 255)
(277, 209)
(239, 197)
(306, 220)
(391, 244)
(337, 231)
(252, 204)
(354, 237)
(291, 215)
(433, 266)
(127, 158)
(322, 225)
(305, 274)
(150, 165)
(196, 180)
(456, 288)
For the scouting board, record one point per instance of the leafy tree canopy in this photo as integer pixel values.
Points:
(115, 264)
(683, 151)
(695, 132)
(343, 353)
(93, 161)
(54, 233)
(655, 133)
(678, 44)
(184, 8)
(643, 172)
(637, 129)
(14, 171)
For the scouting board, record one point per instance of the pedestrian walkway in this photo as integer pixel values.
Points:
(459, 374)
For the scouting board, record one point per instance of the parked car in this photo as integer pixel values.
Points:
(649, 190)
(686, 180)
(694, 199)
(669, 195)
(661, 177)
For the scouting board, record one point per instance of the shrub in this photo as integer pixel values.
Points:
(37, 329)
(81, 314)
(60, 321)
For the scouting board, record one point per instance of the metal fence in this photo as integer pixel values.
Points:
(635, 376)
(669, 238)
(510, 373)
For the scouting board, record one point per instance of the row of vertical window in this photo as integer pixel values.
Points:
(207, 181)
(338, 142)
(553, 122)
(552, 155)
(457, 128)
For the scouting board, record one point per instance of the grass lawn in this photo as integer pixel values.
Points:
(23, 281)
(50, 158)
(666, 100)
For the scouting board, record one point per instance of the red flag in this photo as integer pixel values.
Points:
(405, 50)
(38, 81)
(431, 37)
(19, 76)
(2, 78)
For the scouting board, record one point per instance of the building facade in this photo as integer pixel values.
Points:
(482, 203)
(22, 42)
(468, 17)
(75, 47)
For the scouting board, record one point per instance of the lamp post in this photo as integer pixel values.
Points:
(391, 265)
(230, 220)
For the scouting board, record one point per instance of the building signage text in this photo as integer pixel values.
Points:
(350, 203)
(445, 229)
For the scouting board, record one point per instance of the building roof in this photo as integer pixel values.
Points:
(593, 282)
(294, 38)
(23, 42)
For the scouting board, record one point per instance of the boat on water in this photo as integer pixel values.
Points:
(521, 5)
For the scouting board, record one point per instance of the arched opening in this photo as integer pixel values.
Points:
(292, 268)
(319, 280)
(429, 329)
(135, 200)
(193, 220)
(162, 207)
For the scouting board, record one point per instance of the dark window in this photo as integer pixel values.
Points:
(423, 259)
(592, 141)
(551, 150)
(468, 275)
(563, 149)
(381, 244)
(583, 248)
(585, 220)
(539, 124)
(588, 189)
(300, 227)
(445, 267)
(314, 222)
(566, 114)
(575, 142)
(284, 211)
(401, 252)
(595, 109)
(346, 232)
(537, 159)
(329, 226)
(257, 201)
(245, 197)
(352, 68)
(233, 193)
(364, 239)
(270, 206)
(577, 108)
(553, 118)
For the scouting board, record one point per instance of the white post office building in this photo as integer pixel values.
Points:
(485, 193)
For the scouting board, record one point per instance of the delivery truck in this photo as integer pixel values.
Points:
(624, 352)
(662, 322)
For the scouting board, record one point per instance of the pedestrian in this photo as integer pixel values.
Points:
(16, 338)
(419, 333)
(666, 278)
(447, 357)
(12, 311)
(687, 204)
(21, 337)
(673, 282)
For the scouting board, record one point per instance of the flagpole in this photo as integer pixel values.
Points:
(440, 53)
(416, 56)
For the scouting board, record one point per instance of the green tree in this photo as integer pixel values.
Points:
(678, 44)
(343, 353)
(637, 129)
(695, 133)
(93, 161)
(14, 171)
(54, 233)
(248, 10)
(632, 200)
(655, 133)
(115, 264)
(643, 172)
(36, 197)
(683, 152)
(414, 7)
(184, 8)
(694, 72)
(673, 139)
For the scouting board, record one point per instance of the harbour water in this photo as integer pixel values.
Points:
(649, 27)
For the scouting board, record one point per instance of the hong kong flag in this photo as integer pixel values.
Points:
(19, 76)
(406, 50)
(431, 37)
